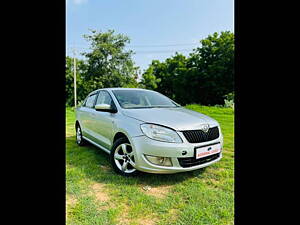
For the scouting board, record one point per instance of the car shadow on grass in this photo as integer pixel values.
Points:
(94, 163)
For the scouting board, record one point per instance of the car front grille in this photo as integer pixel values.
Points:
(198, 136)
(192, 161)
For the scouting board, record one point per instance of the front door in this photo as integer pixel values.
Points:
(102, 128)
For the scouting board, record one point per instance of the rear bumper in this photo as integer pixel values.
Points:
(143, 145)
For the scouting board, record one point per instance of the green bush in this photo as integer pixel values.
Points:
(229, 100)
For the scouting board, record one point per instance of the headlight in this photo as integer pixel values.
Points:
(160, 133)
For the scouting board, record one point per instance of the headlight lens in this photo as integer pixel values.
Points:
(160, 133)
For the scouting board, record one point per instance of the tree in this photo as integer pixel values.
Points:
(165, 77)
(205, 77)
(108, 63)
(149, 80)
(214, 63)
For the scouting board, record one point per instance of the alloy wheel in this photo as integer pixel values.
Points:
(124, 158)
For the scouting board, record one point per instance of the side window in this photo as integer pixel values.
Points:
(84, 102)
(90, 101)
(104, 98)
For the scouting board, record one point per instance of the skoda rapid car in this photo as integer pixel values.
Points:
(143, 130)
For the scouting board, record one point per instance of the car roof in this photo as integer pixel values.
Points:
(112, 89)
(117, 88)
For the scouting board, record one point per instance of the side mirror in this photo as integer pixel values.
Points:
(105, 108)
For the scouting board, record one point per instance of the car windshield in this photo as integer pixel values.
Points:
(136, 99)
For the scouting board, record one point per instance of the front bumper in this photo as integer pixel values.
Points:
(143, 145)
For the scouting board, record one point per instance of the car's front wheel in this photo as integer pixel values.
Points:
(122, 158)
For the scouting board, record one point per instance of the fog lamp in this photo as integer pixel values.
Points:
(161, 161)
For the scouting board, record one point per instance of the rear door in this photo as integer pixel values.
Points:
(102, 128)
(86, 115)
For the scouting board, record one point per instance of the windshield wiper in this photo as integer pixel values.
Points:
(143, 107)
(150, 107)
(163, 106)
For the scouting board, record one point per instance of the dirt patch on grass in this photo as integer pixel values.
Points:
(105, 168)
(159, 192)
(146, 221)
(215, 182)
(105, 206)
(123, 218)
(70, 201)
(100, 192)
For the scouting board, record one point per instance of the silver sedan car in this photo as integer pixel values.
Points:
(143, 130)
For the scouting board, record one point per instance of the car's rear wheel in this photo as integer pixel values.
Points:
(122, 158)
(79, 140)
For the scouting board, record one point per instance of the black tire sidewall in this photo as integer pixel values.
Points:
(112, 160)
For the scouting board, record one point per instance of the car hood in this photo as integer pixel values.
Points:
(176, 118)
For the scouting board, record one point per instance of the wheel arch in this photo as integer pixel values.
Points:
(77, 124)
(118, 135)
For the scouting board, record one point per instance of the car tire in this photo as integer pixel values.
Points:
(79, 139)
(122, 158)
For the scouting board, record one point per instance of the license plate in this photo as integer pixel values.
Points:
(207, 150)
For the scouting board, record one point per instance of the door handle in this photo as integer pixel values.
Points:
(93, 114)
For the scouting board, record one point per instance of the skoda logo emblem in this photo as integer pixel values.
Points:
(205, 127)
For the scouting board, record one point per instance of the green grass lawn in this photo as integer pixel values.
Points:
(96, 195)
